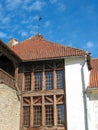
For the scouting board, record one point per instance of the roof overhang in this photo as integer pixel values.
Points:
(92, 91)
(5, 50)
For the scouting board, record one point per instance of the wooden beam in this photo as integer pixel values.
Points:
(43, 111)
(32, 80)
(31, 113)
(26, 100)
(60, 98)
(39, 98)
(54, 77)
(40, 93)
(43, 79)
(23, 80)
(55, 111)
(16, 78)
(49, 99)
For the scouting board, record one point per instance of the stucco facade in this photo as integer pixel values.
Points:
(9, 109)
(75, 72)
(93, 111)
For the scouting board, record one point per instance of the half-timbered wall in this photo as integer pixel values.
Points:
(43, 103)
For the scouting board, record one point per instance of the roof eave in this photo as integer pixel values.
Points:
(12, 53)
(92, 90)
(52, 58)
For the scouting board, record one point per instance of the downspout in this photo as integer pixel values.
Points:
(84, 93)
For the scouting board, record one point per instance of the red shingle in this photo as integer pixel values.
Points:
(93, 83)
(37, 48)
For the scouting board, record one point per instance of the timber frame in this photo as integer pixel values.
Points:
(43, 100)
(9, 62)
(40, 86)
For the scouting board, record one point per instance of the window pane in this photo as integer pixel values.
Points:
(49, 80)
(60, 110)
(60, 79)
(26, 116)
(28, 81)
(49, 116)
(38, 81)
(37, 116)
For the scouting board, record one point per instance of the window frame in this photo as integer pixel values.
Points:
(44, 94)
(49, 84)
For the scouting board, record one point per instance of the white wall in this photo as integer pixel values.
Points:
(93, 111)
(9, 109)
(74, 93)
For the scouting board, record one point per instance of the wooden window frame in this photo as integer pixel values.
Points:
(27, 81)
(49, 110)
(26, 116)
(49, 80)
(38, 81)
(45, 94)
(60, 114)
(37, 112)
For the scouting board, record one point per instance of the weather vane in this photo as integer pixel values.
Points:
(39, 19)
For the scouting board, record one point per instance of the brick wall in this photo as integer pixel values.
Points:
(9, 109)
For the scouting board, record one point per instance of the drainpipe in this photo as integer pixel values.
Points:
(84, 93)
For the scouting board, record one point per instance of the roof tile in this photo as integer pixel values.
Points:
(36, 48)
(93, 82)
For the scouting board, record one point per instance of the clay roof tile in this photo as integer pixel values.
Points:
(93, 82)
(36, 48)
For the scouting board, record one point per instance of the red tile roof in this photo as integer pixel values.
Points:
(93, 82)
(37, 48)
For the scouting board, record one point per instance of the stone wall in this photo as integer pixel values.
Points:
(9, 109)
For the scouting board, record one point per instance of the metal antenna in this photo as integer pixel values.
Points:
(39, 19)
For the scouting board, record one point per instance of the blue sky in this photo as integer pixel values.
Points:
(69, 22)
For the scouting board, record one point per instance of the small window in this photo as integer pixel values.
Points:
(28, 81)
(38, 81)
(49, 116)
(60, 79)
(37, 116)
(60, 112)
(26, 116)
(49, 80)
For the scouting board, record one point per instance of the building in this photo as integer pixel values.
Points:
(47, 86)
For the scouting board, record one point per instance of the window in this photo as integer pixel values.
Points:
(26, 116)
(44, 109)
(49, 80)
(49, 116)
(37, 116)
(60, 112)
(38, 81)
(60, 79)
(28, 81)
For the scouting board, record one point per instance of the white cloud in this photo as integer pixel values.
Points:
(3, 35)
(47, 23)
(11, 5)
(37, 5)
(24, 34)
(26, 1)
(89, 44)
(53, 1)
(1, 8)
(5, 20)
(61, 7)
